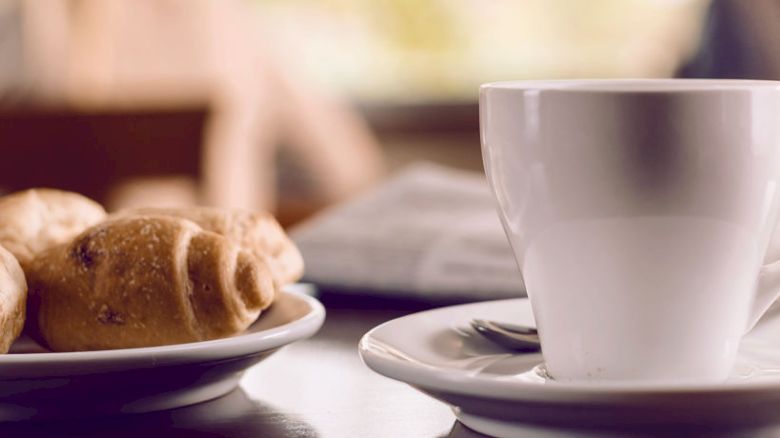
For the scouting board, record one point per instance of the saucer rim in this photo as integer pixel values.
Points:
(436, 378)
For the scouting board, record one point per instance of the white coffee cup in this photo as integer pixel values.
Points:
(640, 213)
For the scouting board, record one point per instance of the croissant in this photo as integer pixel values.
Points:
(13, 295)
(145, 281)
(34, 220)
(254, 231)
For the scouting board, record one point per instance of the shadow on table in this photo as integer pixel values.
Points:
(460, 431)
(233, 415)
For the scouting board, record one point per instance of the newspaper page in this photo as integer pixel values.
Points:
(430, 232)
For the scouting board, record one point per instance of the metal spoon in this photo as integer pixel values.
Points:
(514, 337)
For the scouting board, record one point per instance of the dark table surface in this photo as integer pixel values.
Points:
(314, 388)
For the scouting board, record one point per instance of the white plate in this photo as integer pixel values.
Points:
(36, 383)
(500, 393)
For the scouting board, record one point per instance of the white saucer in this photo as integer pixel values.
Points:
(35, 383)
(504, 394)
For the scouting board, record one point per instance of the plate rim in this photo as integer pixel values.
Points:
(430, 377)
(215, 349)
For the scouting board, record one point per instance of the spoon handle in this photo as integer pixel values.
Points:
(508, 335)
(513, 328)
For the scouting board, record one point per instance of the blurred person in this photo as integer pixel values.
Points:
(103, 54)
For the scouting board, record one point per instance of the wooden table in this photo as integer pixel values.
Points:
(314, 388)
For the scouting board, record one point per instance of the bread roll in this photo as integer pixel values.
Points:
(37, 219)
(13, 296)
(259, 233)
(145, 281)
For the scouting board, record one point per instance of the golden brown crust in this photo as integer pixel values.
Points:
(34, 220)
(257, 232)
(13, 296)
(144, 281)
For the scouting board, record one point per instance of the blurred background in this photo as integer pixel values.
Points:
(294, 105)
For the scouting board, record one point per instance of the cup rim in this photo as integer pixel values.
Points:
(634, 85)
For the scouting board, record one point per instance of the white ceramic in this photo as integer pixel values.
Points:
(39, 384)
(501, 393)
(639, 212)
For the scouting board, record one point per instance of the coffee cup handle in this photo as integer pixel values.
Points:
(768, 287)
(767, 292)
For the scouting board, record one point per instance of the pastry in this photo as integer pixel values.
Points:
(34, 220)
(144, 281)
(256, 232)
(13, 296)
